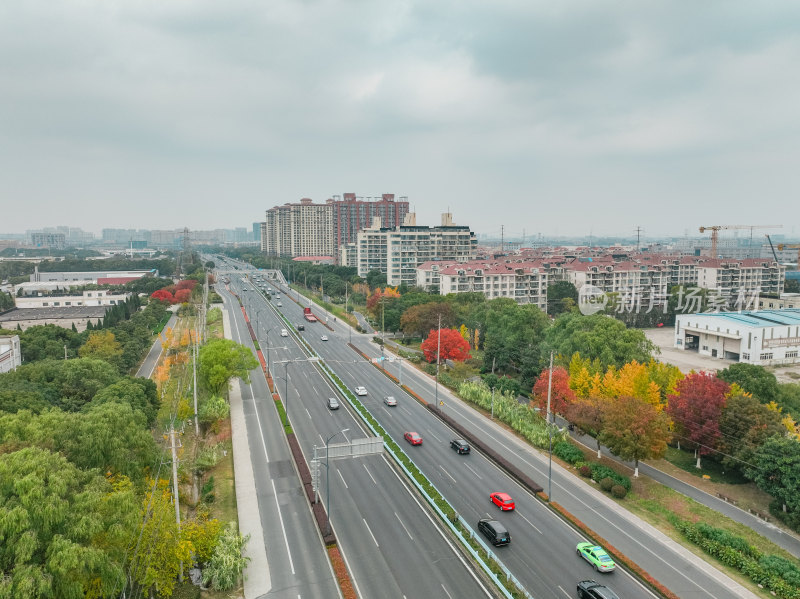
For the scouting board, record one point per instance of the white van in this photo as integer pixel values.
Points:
(284, 333)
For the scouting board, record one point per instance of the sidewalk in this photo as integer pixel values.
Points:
(785, 539)
(256, 574)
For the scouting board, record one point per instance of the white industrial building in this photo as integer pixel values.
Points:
(10, 354)
(754, 337)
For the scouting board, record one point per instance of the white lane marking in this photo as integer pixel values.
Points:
(446, 593)
(529, 522)
(448, 474)
(309, 413)
(370, 475)
(283, 528)
(370, 533)
(565, 592)
(404, 526)
(434, 436)
(473, 471)
(339, 472)
(321, 438)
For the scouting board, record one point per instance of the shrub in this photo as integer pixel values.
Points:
(618, 491)
(607, 483)
(585, 471)
(227, 562)
(568, 452)
(599, 472)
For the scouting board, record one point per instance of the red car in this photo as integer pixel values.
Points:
(502, 500)
(413, 438)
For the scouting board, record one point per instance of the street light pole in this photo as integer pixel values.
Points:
(438, 349)
(328, 476)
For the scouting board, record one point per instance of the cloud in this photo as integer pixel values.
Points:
(537, 114)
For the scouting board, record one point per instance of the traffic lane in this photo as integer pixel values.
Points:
(676, 571)
(300, 565)
(383, 505)
(410, 523)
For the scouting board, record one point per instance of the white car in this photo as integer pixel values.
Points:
(390, 400)
(284, 333)
(361, 390)
(280, 305)
(324, 337)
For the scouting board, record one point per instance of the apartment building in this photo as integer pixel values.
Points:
(731, 276)
(398, 251)
(300, 229)
(10, 354)
(635, 284)
(524, 282)
(352, 214)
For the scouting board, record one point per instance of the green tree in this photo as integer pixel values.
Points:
(64, 531)
(102, 345)
(67, 384)
(745, 424)
(140, 393)
(212, 411)
(376, 278)
(596, 337)
(753, 379)
(41, 342)
(419, 319)
(510, 335)
(220, 361)
(634, 430)
(776, 469)
(226, 565)
(562, 296)
(792, 286)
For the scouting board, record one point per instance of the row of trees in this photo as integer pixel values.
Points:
(733, 417)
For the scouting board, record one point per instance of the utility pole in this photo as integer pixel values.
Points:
(638, 237)
(502, 238)
(65, 351)
(383, 331)
(194, 383)
(438, 349)
(550, 431)
(175, 484)
(492, 403)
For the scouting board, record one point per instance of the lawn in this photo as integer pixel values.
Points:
(716, 472)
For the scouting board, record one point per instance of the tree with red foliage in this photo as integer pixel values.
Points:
(186, 284)
(561, 395)
(696, 407)
(163, 295)
(182, 296)
(587, 415)
(453, 346)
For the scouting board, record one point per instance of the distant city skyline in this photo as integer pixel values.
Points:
(571, 119)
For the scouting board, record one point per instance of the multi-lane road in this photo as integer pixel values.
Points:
(542, 554)
(392, 545)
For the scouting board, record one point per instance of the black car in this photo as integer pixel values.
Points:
(495, 532)
(301, 327)
(459, 446)
(589, 589)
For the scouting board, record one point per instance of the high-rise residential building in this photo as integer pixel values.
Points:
(301, 229)
(399, 250)
(352, 214)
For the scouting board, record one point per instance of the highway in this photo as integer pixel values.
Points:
(392, 546)
(542, 554)
(297, 562)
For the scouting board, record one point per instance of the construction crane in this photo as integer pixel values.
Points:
(715, 229)
(772, 247)
(791, 246)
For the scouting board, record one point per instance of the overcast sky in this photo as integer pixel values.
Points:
(549, 117)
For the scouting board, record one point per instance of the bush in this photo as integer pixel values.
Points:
(599, 472)
(568, 452)
(607, 483)
(585, 471)
(618, 491)
(226, 564)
